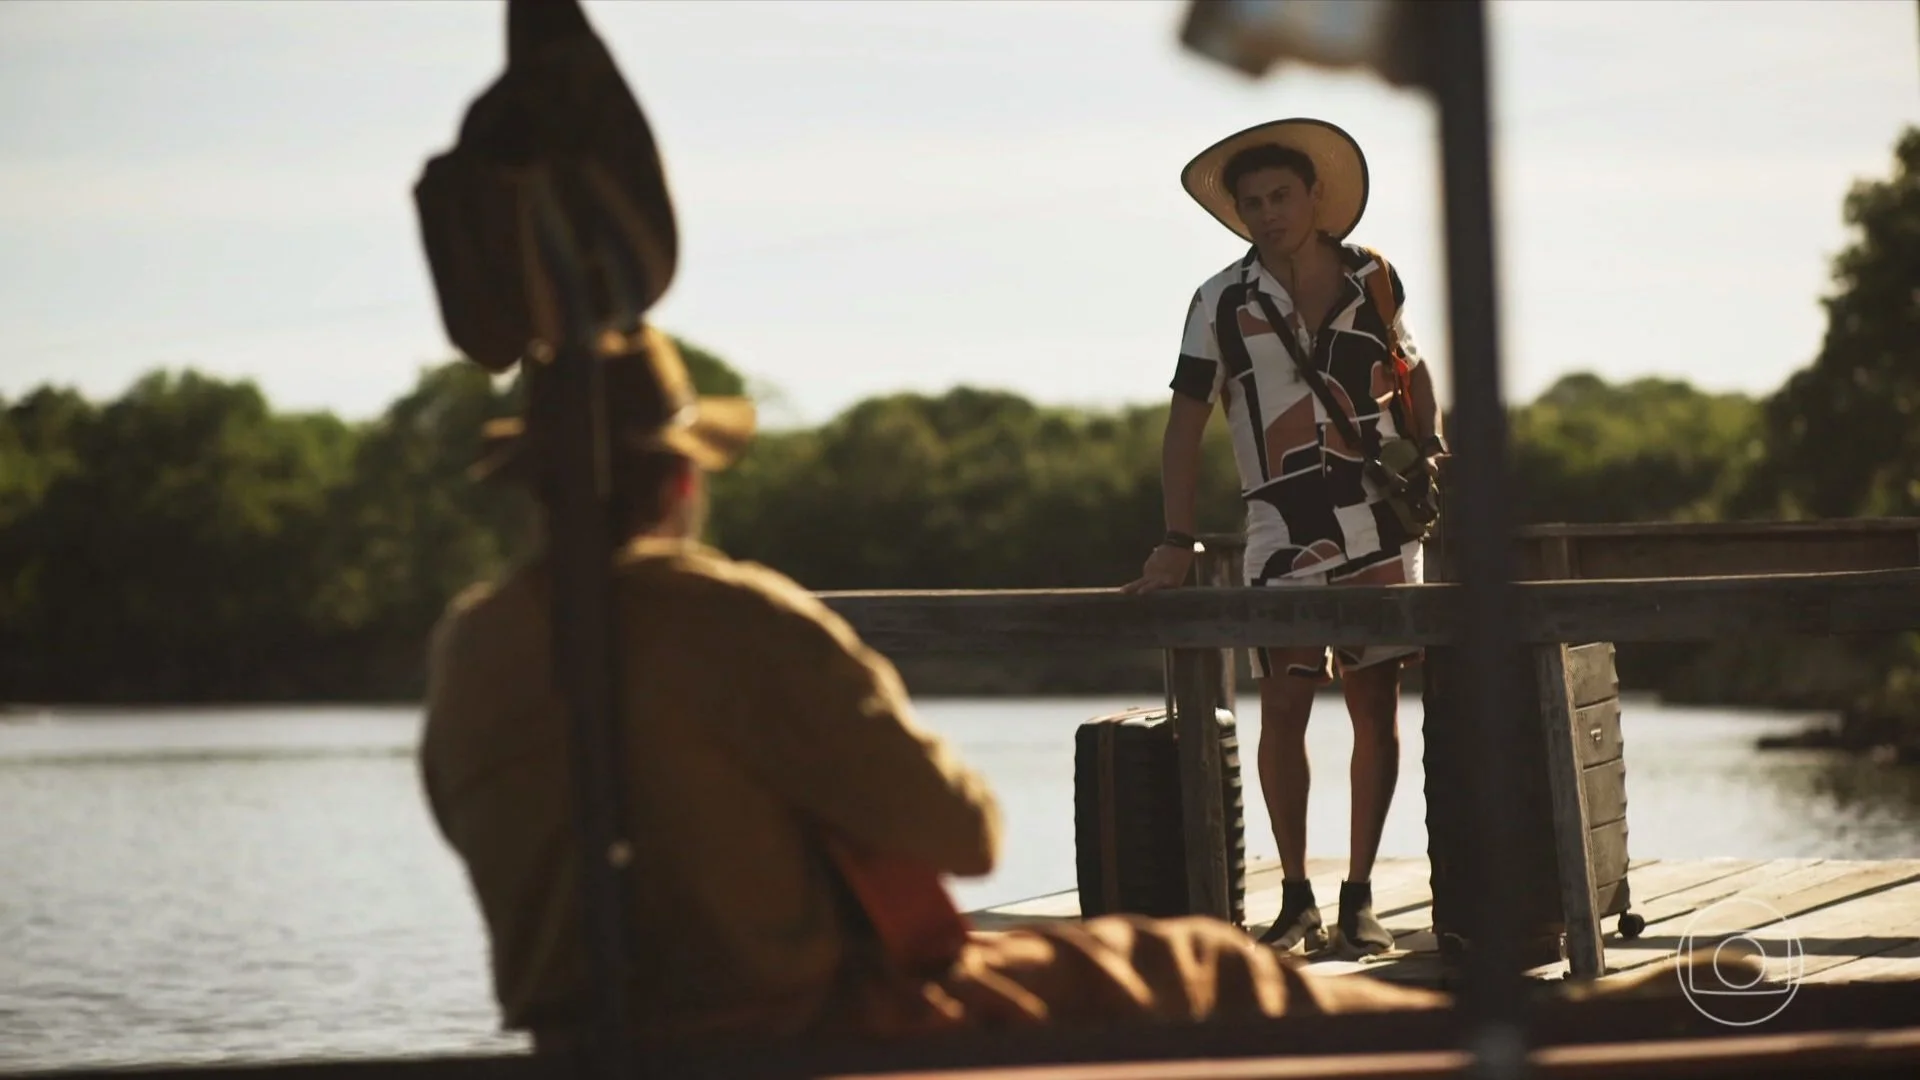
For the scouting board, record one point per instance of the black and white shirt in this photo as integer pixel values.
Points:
(1309, 509)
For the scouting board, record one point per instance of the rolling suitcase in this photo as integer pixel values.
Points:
(1129, 846)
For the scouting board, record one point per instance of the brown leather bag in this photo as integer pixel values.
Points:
(562, 119)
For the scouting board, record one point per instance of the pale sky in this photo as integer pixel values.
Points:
(909, 195)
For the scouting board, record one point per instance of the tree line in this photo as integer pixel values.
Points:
(187, 542)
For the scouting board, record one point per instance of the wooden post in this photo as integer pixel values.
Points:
(585, 628)
(1453, 764)
(1196, 682)
(1557, 560)
(1199, 682)
(1586, 955)
(1219, 566)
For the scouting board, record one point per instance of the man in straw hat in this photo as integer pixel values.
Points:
(1302, 307)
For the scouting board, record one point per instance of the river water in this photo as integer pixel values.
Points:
(253, 884)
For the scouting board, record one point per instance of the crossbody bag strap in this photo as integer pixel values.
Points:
(1335, 414)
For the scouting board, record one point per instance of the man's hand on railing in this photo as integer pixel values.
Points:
(1166, 568)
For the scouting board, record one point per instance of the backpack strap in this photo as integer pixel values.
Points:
(1380, 293)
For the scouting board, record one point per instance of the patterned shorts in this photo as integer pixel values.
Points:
(1300, 662)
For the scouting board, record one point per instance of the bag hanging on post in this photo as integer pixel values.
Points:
(561, 115)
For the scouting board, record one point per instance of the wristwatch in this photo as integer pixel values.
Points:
(1433, 446)
(1178, 539)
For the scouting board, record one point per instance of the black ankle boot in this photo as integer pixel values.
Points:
(1354, 895)
(1295, 897)
(1298, 924)
(1359, 931)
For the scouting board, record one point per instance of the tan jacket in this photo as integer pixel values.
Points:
(752, 711)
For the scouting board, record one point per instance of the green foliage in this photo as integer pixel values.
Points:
(185, 542)
(971, 489)
(165, 531)
(1845, 431)
(1648, 450)
(409, 529)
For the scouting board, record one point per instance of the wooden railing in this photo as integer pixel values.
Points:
(1702, 582)
(1640, 582)
(1661, 609)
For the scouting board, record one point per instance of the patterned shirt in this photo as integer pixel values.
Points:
(1309, 509)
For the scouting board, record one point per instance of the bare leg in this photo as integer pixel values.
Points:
(1373, 701)
(1286, 701)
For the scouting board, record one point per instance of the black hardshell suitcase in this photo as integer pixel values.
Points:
(1128, 840)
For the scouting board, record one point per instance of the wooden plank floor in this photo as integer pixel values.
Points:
(1852, 920)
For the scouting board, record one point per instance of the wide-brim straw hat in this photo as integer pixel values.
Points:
(1339, 165)
(651, 406)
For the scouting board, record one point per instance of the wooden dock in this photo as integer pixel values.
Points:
(1853, 920)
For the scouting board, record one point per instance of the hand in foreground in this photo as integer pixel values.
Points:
(1166, 568)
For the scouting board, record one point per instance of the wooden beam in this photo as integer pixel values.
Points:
(1200, 682)
(1831, 528)
(1666, 549)
(1221, 568)
(1832, 1030)
(1672, 609)
(1594, 557)
(1195, 677)
(1892, 1053)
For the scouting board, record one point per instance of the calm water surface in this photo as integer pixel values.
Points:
(249, 885)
